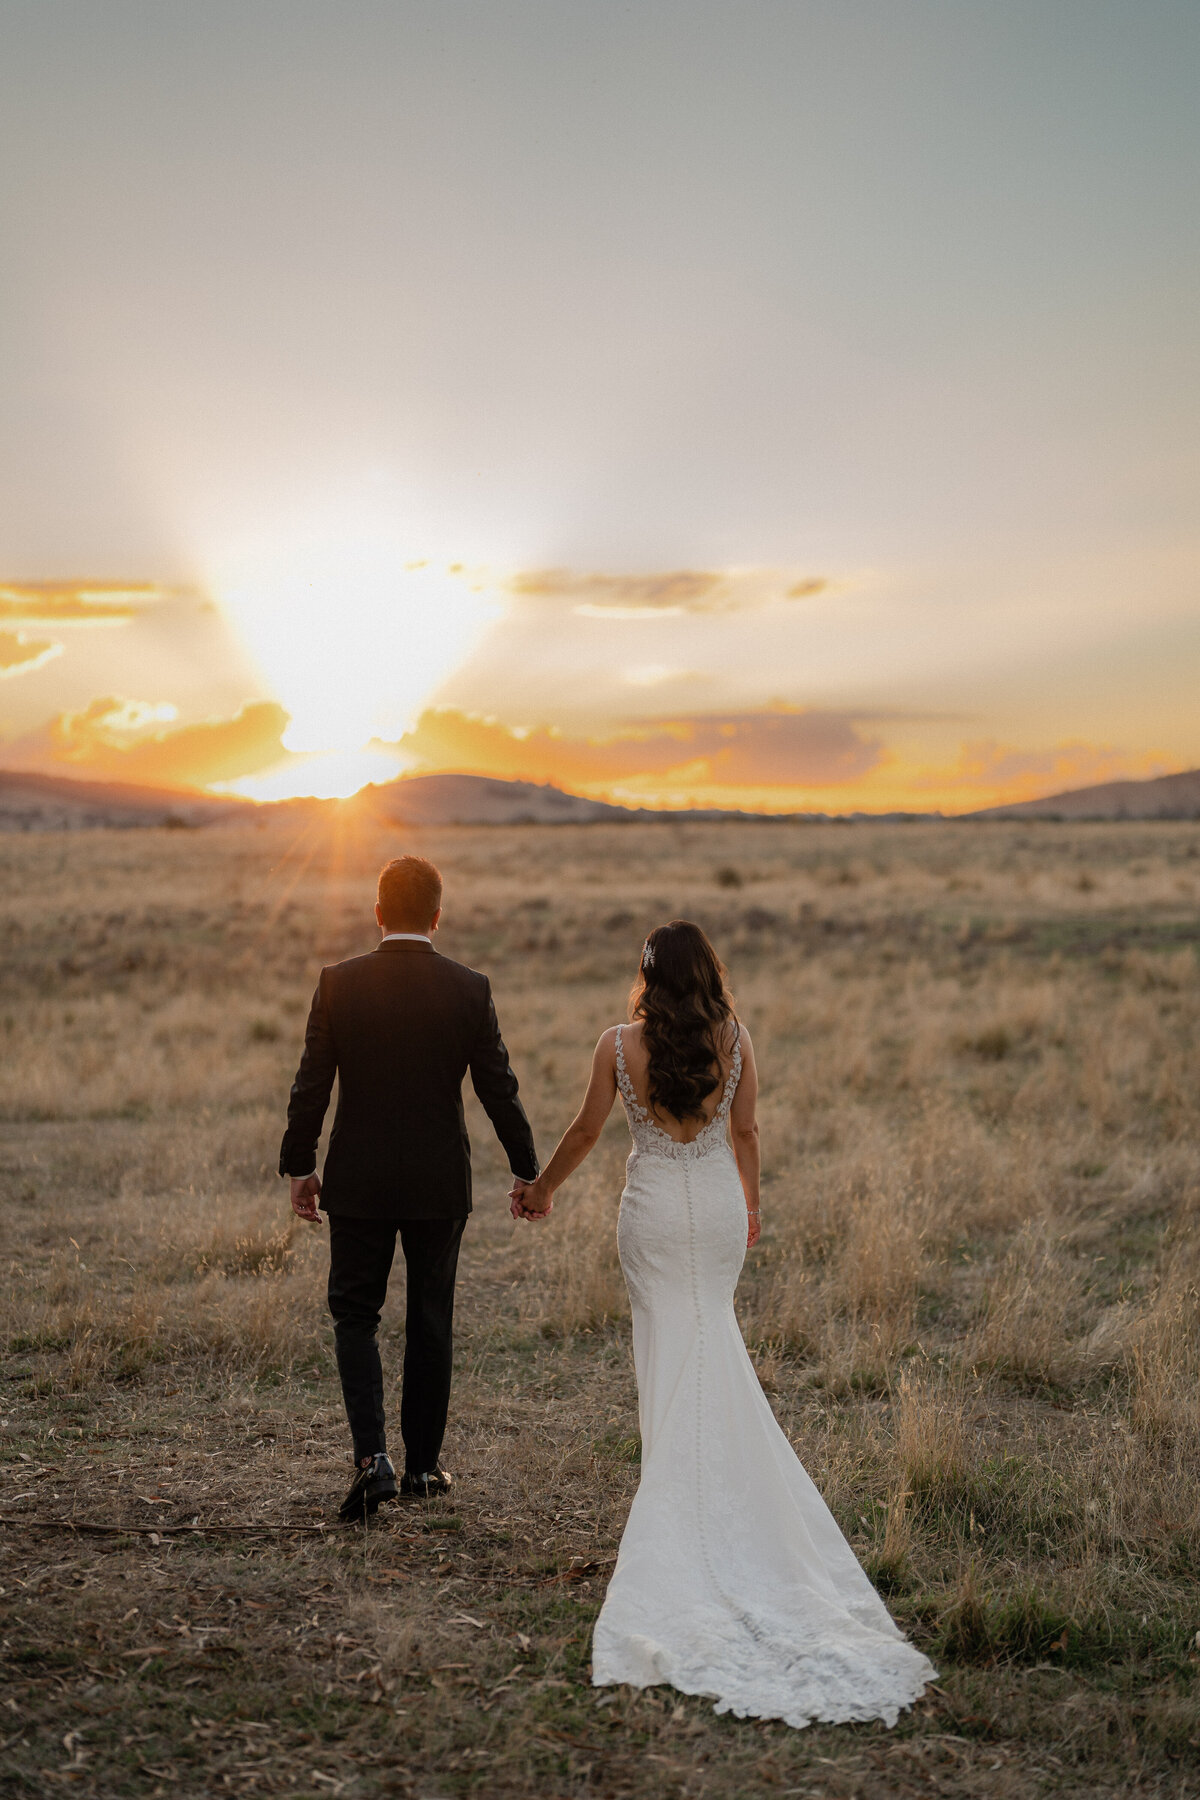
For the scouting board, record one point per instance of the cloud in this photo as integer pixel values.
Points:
(667, 593)
(21, 654)
(138, 715)
(675, 590)
(75, 602)
(1014, 774)
(787, 748)
(780, 747)
(109, 739)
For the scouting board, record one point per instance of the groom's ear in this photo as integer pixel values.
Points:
(379, 917)
(433, 923)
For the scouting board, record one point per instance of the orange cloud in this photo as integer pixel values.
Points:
(21, 655)
(781, 747)
(106, 739)
(75, 602)
(779, 758)
(671, 591)
(1013, 775)
(675, 589)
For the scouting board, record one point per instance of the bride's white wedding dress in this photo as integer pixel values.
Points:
(733, 1579)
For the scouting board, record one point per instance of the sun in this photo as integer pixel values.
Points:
(353, 636)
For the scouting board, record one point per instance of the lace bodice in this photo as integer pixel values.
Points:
(650, 1139)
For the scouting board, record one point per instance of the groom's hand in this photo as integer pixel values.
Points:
(306, 1191)
(518, 1208)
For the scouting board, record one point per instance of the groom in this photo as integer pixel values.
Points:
(400, 1028)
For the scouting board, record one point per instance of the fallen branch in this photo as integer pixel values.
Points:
(582, 1569)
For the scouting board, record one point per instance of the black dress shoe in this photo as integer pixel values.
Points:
(424, 1487)
(374, 1481)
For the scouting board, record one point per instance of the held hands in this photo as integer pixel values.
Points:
(306, 1191)
(529, 1199)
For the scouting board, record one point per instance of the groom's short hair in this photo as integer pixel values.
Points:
(410, 892)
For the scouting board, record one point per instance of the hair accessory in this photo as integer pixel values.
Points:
(647, 955)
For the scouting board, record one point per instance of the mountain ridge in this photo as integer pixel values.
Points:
(1155, 797)
(42, 802)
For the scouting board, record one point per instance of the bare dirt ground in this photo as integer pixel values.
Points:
(974, 1309)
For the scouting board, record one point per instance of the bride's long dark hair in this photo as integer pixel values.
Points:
(687, 1016)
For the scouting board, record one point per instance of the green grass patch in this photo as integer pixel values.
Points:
(1030, 1624)
(1003, 1497)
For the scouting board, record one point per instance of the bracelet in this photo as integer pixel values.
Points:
(752, 1212)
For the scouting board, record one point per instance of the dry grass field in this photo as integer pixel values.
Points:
(974, 1309)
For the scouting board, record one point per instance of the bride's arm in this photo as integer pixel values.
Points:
(743, 1126)
(581, 1134)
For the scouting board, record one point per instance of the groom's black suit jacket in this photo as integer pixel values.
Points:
(400, 1028)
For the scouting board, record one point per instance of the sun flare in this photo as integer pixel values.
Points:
(326, 775)
(353, 637)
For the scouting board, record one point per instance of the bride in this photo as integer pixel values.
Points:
(733, 1579)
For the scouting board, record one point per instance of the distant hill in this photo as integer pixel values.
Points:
(478, 800)
(59, 803)
(56, 803)
(1162, 797)
(481, 800)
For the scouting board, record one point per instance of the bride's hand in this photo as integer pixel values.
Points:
(537, 1201)
(753, 1227)
(530, 1200)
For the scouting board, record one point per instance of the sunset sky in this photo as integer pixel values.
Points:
(750, 403)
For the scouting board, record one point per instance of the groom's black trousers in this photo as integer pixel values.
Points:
(360, 1261)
